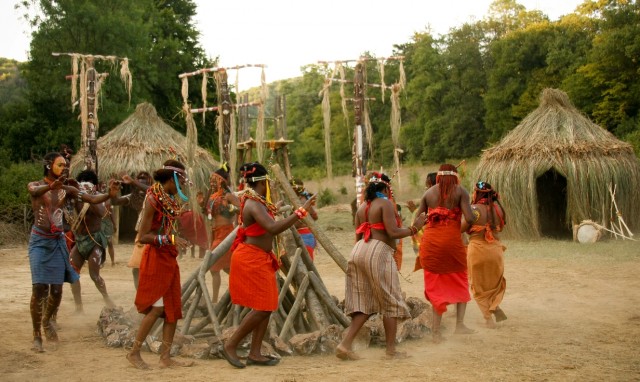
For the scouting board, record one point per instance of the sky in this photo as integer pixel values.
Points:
(288, 34)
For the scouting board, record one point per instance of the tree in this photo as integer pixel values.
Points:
(158, 37)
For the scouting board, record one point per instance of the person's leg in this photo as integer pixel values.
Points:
(250, 322)
(112, 254)
(141, 335)
(390, 330)
(435, 327)
(256, 340)
(345, 346)
(38, 294)
(51, 308)
(168, 331)
(77, 262)
(216, 280)
(461, 308)
(136, 276)
(94, 272)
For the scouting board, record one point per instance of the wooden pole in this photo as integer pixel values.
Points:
(317, 232)
(225, 104)
(296, 306)
(360, 148)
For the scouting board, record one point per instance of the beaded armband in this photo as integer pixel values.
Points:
(301, 213)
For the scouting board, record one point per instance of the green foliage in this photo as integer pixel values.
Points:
(326, 198)
(465, 89)
(343, 190)
(158, 37)
(13, 182)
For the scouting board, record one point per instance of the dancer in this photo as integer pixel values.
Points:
(252, 281)
(222, 209)
(485, 253)
(372, 283)
(48, 254)
(158, 294)
(442, 254)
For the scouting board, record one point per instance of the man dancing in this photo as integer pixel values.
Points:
(48, 255)
(91, 241)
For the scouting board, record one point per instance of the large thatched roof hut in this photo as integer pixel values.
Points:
(142, 143)
(554, 170)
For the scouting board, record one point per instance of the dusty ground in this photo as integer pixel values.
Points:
(573, 315)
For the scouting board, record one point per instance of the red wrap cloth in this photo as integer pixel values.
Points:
(159, 271)
(219, 234)
(160, 277)
(442, 250)
(306, 231)
(252, 280)
(366, 227)
(444, 259)
(195, 233)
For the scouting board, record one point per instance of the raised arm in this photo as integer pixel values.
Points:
(259, 213)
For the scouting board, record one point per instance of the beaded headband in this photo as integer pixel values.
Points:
(440, 173)
(176, 169)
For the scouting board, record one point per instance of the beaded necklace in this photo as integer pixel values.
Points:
(250, 193)
(166, 205)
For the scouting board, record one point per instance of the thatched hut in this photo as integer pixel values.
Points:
(142, 143)
(555, 168)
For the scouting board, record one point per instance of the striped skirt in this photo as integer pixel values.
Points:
(372, 283)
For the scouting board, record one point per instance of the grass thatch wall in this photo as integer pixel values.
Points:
(142, 142)
(557, 136)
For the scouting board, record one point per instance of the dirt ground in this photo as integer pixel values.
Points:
(573, 314)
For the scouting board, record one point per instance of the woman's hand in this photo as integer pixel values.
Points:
(310, 202)
(420, 221)
(181, 243)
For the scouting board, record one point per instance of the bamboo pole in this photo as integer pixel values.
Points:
(194, 305)
(296, 306)
(290, 275)
(317, 232)
(327, 300)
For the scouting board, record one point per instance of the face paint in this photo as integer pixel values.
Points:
(58, 167)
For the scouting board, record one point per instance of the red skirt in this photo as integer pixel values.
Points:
(160, 277)
(252, 278)
(442, 289)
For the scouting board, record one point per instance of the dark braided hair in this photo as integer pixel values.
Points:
(251, 170)
(377, 183)
(484, 194)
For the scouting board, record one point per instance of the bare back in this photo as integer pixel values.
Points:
(380, 210)
(459, 197)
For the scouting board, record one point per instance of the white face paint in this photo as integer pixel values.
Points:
(87, 187)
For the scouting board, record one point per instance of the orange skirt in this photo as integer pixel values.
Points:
(252, 278)
(219, 234)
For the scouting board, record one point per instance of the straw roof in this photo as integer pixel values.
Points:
(557, 136)
(142, 143)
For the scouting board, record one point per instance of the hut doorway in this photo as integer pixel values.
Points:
(551, 189)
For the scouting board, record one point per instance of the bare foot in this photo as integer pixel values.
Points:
(461, 329)
(37, 345)
(437, 337)
(396, 355)
(500, 316)
(346, 355)
(490, 324)
(109, 302)
(170, 362)
(137, 361)
(50, 333)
